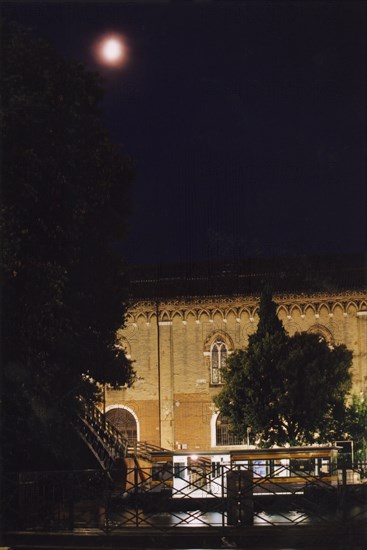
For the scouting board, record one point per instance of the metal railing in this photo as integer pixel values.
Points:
(103, 439)
(163, 499)
(143, 449)
(106, 442)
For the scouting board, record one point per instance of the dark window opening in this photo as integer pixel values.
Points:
(223, 432)
(124, 422)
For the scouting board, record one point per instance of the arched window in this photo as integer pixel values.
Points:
(124, 422)
(323, 332)
(218, 356)
(222, 432)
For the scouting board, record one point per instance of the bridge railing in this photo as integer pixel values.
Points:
(146, 450)
(166, 499)
(105, 441)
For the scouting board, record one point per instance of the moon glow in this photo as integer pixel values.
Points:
(111, 50)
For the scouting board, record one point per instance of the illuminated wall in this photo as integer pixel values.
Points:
(173, 355)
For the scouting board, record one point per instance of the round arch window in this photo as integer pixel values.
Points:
(222, 431)
(124, 422)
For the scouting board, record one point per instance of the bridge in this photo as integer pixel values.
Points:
(110, 447)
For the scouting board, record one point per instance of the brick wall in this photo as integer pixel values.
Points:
(172, 397)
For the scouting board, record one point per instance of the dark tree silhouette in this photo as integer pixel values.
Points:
(65, 204)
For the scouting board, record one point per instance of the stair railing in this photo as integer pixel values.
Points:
(103, 439)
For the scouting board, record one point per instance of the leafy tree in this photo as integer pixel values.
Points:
(65, 202)
(286, 388)
(353, 426)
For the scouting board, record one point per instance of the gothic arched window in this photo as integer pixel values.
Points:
(223, 436)
(124, 422)
(218, 356)
(323, 332)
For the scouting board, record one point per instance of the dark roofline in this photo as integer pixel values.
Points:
(247, 277)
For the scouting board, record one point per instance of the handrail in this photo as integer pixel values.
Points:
(107, 443)
(146, 450)
(109, 435)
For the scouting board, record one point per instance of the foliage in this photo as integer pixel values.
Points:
(354, 426)
(288, 389)
(65, 202)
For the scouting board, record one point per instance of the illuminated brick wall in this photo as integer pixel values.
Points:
(172, 398)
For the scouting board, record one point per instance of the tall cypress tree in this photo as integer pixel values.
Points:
(269, 322)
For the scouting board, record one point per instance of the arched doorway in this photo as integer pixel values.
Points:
(124, 422)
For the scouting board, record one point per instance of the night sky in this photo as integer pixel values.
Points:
(246, 121)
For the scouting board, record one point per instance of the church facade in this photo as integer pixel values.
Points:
(179, 336)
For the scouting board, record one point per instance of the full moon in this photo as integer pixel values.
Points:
(111, 50)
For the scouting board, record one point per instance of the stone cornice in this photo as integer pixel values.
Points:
(238, 303)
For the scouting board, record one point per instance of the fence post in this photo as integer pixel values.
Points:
(240, 508)
(70, 489)
(136, 491)
(103, 508)
(21, 508)
(222, 492)
(342, 501)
